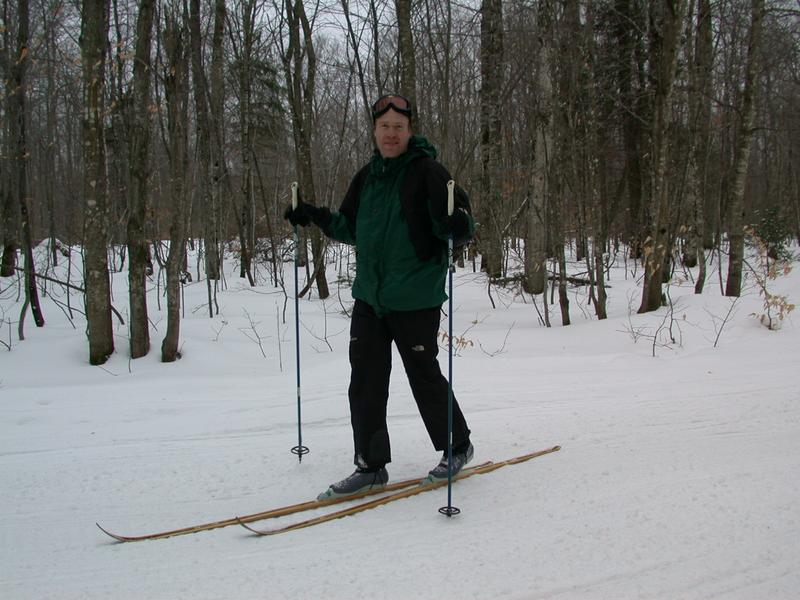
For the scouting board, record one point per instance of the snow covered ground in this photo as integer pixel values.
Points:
(678, 477)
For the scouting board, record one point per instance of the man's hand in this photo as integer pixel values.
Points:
(457, 224)
(305, 214)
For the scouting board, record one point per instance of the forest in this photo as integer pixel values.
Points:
(133, 130)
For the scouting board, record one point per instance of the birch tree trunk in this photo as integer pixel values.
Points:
(733, 285)
(94, 41)
(139, 258)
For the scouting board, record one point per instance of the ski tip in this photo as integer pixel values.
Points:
(246, 526)
(326, 496)
(114, 536)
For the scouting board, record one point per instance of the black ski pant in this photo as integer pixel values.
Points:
(415, 334)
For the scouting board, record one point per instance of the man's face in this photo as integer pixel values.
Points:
(392, 133)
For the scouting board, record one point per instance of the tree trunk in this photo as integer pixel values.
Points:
(629, 27)
(733, 285)
(300, 69)
(489, 236)
(535, 281)
(354, 44)
(22, 155)
(408, 65)
(700, 118)
(247, 227)
(217, 106)
(203, 164)
(139, 263)
(7, 185)
(657, 247)
(94, 41)
(177, 95)
(48, 161)
(563, 298)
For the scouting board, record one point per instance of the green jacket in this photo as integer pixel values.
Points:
(392, 213)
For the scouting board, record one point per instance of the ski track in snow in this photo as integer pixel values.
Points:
(677, 477)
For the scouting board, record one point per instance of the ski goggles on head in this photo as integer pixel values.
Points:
(396, 102)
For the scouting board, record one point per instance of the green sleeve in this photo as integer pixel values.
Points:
(339, 230)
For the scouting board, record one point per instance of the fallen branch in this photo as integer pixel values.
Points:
(72, 287)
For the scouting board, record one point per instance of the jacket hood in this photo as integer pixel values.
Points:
(420, 146)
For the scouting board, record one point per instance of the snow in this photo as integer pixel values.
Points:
(677, 477)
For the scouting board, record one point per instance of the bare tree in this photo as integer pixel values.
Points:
(354, 44)
(542, 133)
(492, 69)
(628, 29)
(669, 16)
(595, 123)
(245, 72)
(176, 88)
(204, 138)
(94, 40)
(408, 65)
(139, 259)
(48, 146)
(219, 172)
(9, 203)
(700, 126)
(18, 115)
(733, 286)
(300, 70)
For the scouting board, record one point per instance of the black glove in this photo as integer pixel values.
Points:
(306, 214)
(457, 224)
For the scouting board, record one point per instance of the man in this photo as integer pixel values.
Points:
(395, 213)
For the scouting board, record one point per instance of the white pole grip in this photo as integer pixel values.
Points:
(294, 194)
(450, 200)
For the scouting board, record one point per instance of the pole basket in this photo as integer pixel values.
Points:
(450, 511)
(300, 451)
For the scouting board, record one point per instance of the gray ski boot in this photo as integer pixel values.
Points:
(439, 472)
(361, 480)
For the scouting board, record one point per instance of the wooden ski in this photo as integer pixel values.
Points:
(404, 493)
(267, 514)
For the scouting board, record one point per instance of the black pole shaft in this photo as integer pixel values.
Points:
(300, 449)
(297, 344)
(450, 376)
(450, 510)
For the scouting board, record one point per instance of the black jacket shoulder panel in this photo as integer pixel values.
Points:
(423, 195)
(349, 206)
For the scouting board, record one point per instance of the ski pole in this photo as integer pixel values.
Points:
(450, 510)
(300, 449)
